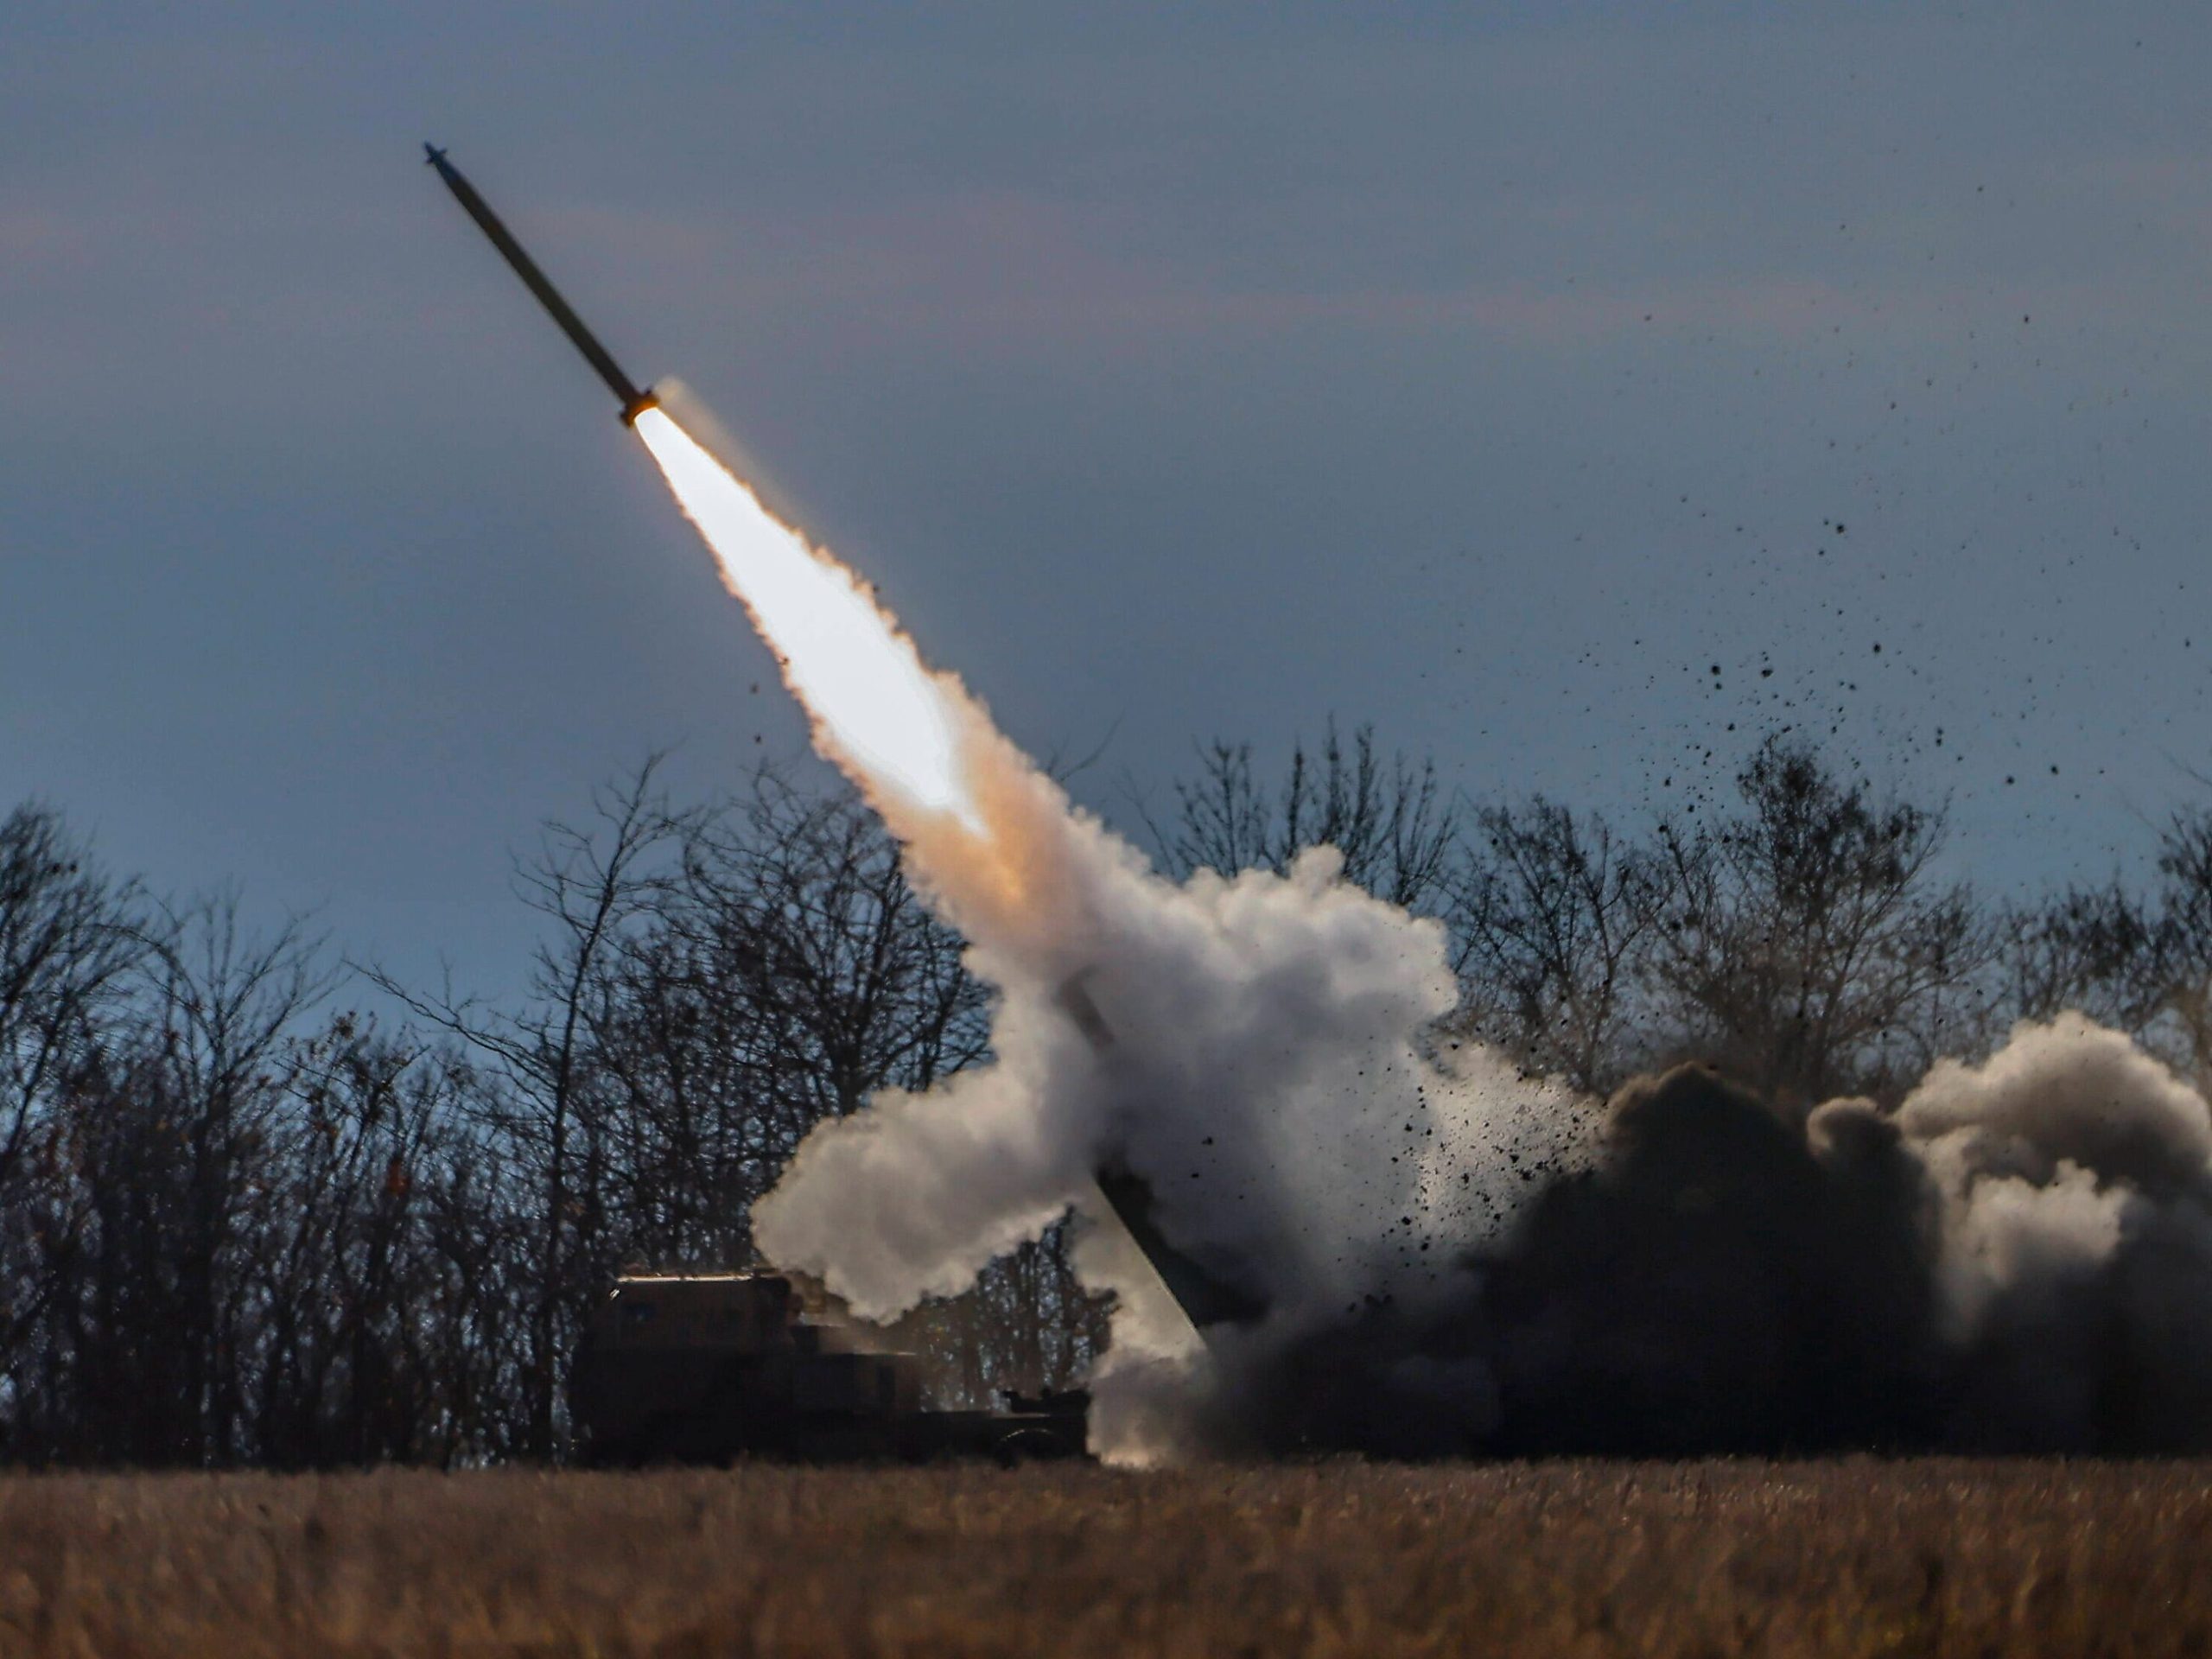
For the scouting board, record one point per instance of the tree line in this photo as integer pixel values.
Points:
(242, 1225)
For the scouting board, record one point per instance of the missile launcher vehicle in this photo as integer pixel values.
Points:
(706, 1368)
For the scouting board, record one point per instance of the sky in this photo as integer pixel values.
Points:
(1578, 392)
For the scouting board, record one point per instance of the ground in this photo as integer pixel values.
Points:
(1851, 1557)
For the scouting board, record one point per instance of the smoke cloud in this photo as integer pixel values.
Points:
(1266, 1066)
(2020, 1258)
(1430, 1252)
(1454, 1257)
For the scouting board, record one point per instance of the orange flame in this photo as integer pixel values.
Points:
(877, 710)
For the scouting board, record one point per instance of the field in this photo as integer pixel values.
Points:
(1856, 1557)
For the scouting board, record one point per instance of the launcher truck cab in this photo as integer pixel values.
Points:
(705, 1367)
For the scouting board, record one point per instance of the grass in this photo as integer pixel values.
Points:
(1854, 1557)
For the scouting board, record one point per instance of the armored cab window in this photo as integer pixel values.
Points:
(635, 1311)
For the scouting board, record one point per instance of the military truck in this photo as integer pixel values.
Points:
(708, 1367)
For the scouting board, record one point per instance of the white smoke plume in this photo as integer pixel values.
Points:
(2075, 1175)
(1270, 1075)
(2049, 1156)
(1450, 1255)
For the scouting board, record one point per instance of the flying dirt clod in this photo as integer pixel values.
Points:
(634, 401)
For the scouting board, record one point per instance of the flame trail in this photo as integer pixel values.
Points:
(874, 706)
(992, 842)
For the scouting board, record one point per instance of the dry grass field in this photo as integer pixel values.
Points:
(1857, 1557)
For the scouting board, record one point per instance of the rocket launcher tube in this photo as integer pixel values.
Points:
(1205, 1297)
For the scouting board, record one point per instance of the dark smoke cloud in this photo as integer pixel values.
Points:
(2020, 1258)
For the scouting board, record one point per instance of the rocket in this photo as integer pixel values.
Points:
(634, 401)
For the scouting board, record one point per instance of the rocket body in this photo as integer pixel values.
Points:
(634, 401)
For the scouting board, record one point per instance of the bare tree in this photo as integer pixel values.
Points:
(2180, 961)
(596, 885)
(69, 939)
(364, 1343)
(1808, 942)
(221, 1055)
(1549, 916)
(149, 1300)
(2095, 949)
(789, 973)
(1390, 819)
(2141, 963)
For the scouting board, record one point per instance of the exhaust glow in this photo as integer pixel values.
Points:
(874, 705)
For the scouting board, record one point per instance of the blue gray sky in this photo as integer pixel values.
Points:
(1493, 373)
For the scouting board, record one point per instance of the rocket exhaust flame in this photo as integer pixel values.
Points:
(875, 707)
